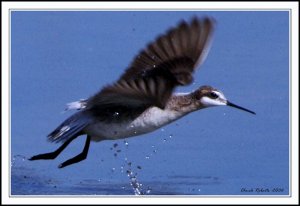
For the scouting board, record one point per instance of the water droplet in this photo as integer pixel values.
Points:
(165, 140)
(147, 157)
(113, 169)
(155, 151)
(99, 180)
(152, 146)
(148, 190)
(116, 114)
(126, 143)
(18, 160)
(139, 167)
(129, 173)
(170, 136)
(199, 190)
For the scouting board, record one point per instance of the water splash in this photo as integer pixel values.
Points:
(130, 168)
(136, 186)
(18, 160)
(148, 191)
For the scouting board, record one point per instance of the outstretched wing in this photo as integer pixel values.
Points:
(150, 79)
(176, 53)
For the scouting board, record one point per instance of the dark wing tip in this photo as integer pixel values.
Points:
(179, 50)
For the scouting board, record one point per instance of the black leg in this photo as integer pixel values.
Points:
(52, 155)
(79, 157)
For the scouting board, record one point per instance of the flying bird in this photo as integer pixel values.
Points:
(142, 99)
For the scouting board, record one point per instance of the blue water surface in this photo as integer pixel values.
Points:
(62, 56)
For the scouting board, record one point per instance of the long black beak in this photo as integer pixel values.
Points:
(238, 107)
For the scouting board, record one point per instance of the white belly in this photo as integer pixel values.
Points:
(152, 119)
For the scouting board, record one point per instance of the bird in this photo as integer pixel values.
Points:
(143, 98)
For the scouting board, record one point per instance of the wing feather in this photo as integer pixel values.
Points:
(167, 62)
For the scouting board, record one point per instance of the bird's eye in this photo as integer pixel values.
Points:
(214, 95)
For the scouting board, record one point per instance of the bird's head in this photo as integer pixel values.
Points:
(207, 96)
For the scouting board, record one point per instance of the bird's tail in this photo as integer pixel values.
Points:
(71, 127)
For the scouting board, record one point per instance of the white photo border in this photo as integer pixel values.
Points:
(7, 7)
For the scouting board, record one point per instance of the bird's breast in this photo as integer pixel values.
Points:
(150, 120)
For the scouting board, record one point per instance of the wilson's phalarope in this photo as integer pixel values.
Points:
(141, 101)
